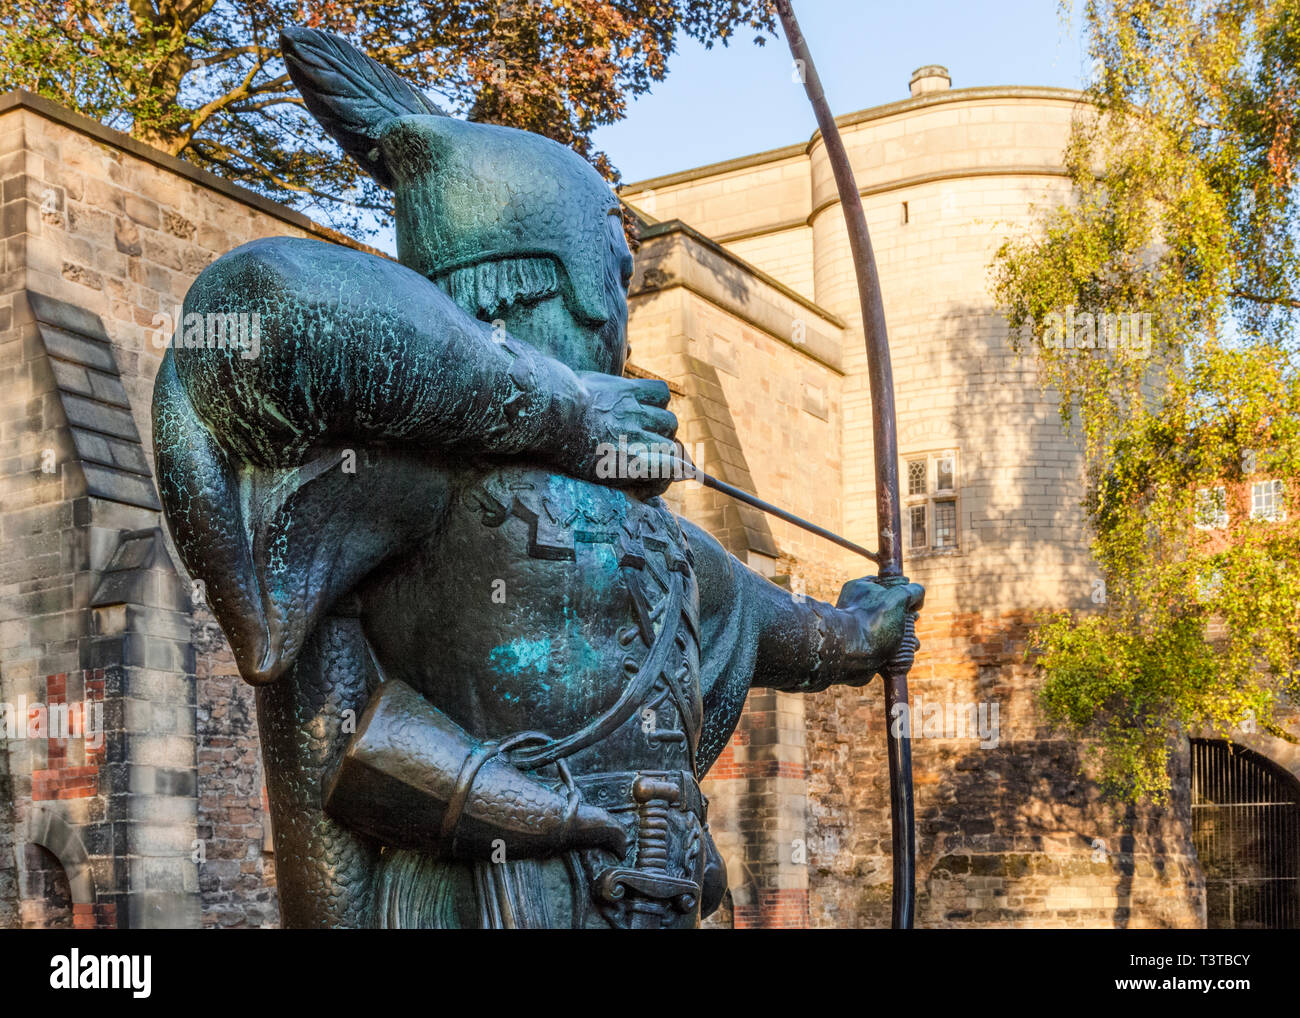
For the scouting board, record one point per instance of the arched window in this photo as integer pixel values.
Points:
(1246, 829)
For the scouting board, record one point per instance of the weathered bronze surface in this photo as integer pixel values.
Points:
(490, 678)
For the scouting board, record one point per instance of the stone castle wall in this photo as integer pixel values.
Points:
(116, 232)
(1005, 832)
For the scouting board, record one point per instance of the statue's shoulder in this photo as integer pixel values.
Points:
(309, 268)
(291, 255)
(267, 260)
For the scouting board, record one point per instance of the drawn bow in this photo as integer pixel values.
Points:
(889, 556)
(884, 427)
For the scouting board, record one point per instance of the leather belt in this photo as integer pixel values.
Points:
(613, 791)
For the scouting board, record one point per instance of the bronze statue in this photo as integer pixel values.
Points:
(490, 679)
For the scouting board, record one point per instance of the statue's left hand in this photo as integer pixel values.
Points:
(881, 613)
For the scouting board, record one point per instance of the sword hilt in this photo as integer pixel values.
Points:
(654, 799)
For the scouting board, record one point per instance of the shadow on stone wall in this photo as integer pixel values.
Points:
(1017, 836)
(1014, 834)
(8, 861)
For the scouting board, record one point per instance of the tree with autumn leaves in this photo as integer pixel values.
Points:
(1184, 164)
(203, 79)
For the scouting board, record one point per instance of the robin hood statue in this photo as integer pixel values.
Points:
(489, 679)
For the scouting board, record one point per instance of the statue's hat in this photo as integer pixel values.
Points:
(466, 193)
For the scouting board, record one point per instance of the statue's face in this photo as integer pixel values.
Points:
(582, 343)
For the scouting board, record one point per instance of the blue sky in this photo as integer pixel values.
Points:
(726, 102)
(731, 101)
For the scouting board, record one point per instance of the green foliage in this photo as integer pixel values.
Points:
(1184, 210)
(203, 79)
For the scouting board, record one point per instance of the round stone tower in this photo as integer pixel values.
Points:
(1008, 830)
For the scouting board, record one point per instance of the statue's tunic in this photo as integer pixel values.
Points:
(549, 605)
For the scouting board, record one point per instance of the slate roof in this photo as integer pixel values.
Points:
(95, 403)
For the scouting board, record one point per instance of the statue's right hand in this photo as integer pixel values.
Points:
(625, 434)
(595, 827)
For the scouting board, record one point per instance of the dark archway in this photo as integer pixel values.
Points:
(48, 894)
(1246, 829)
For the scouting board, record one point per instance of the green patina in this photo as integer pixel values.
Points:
(520, 656)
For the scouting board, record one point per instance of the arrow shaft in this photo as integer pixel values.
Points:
(740, 495)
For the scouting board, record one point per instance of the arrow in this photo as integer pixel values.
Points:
(740, 495)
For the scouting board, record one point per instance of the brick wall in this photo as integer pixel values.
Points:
(237, 878)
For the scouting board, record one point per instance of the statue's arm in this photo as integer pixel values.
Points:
(412, 778)
(780, 640)
(777, 639)
(353, 346)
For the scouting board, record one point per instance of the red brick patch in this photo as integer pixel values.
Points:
(94, 917)
(776, 909)
(65, 783)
